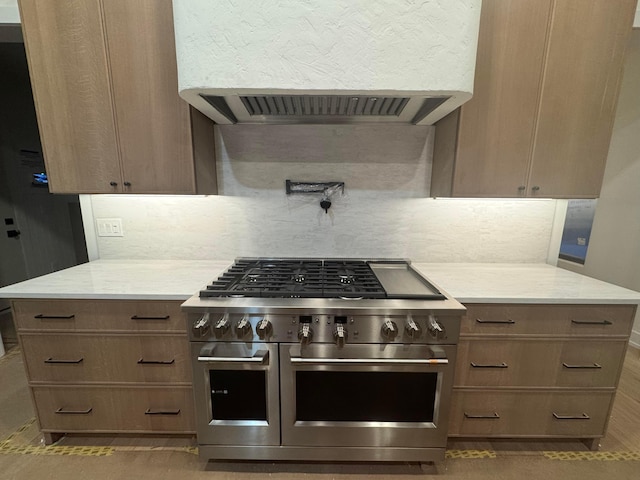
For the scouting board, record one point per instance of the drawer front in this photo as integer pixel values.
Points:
(529, 414)
(76, 358)
(115, 409)
(105, 315)
(539, 362)
(509, 319)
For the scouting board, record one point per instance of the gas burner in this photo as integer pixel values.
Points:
(253, 277)
(298, 278)
(347, 279)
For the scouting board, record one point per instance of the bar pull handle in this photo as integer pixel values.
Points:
(489, 365)
(591, 322)
(371, 361)
(41, 316)
(492, 416)
(162, 412)
(142, 361)
(591, 366)
(259, 357)
(141, 317)
(582, 416)
(52, 360)
(62, 411)
(503, 322)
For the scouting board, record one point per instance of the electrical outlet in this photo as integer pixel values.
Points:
(109, 227)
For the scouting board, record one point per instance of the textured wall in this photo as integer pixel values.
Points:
(385, 211)
(327, 44)
(614, 248)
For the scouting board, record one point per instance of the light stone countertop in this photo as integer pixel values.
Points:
(521, 283)
(180, 279)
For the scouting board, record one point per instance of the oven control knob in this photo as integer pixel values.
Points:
(221, 327)
(264, 328)
(436, 330)
(201, 326)
(412, 329)
(389, 330)
(305, 334)
(243, 327)
(340, 335)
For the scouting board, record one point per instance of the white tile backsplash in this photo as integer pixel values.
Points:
(385, 211)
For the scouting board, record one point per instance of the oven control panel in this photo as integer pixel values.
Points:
(340, 330)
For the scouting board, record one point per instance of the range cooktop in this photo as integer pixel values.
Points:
(322, 278)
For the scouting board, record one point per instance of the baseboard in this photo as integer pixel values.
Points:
(634, 340)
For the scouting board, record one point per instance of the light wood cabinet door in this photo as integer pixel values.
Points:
(153, 122)
(496, 126)
(69, 72)
(499, 413)
(582, 75)
(115, 409)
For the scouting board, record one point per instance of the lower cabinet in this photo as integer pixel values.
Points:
(107, 366)
(538, 371)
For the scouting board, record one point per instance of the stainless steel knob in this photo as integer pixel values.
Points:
(243, 327)
(436, 330)
(305, 334)
(201, 326)
(264, 328)
(221, 327)
(389, 330)
(340, 335)
(412, 329)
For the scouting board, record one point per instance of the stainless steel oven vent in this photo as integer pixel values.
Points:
(306, 105)
(323, 109)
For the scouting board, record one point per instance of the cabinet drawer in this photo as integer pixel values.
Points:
(106, 315)
(115, 409)
(95, 358)
(529, 414)
(508, 319)
(539, 362)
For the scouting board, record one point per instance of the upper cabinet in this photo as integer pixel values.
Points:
(105, 86)
(539, 123)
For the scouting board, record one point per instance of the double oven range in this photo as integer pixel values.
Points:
(322, 359)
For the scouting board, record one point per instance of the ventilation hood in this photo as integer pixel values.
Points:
(326, 61)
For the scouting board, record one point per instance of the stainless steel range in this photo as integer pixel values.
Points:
(322, 359)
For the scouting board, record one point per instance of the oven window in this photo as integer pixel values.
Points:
(365, 396)
(238, 394)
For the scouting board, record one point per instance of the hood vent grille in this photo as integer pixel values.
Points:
(311, 105)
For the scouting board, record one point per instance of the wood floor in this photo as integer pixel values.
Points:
(24, 456)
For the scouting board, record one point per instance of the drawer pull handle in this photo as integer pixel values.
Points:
(138, 317)
(504, 322)
(75, 362)
(142, 361)
(594, 366)
(489, 365)
(591, 322)
(583, 416)
(62, 411)
(492, 416)
(54, 317)
(162, 412)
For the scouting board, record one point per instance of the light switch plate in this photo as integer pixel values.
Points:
(109, 227)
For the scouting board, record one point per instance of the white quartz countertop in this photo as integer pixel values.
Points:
(180, 279)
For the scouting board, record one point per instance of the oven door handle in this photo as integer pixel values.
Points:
(259, 357)
(371, 361)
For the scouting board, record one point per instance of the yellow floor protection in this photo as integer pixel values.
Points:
(600, 456)
(470, 454)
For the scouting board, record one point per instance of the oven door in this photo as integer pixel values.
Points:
(366, 395)
(236, 393)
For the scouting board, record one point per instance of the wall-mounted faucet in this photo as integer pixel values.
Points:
(327, 189)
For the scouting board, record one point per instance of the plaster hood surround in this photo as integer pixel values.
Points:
(326, 61)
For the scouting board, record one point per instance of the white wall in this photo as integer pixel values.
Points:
(614, 249)
(9, 11)
(385, 211)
